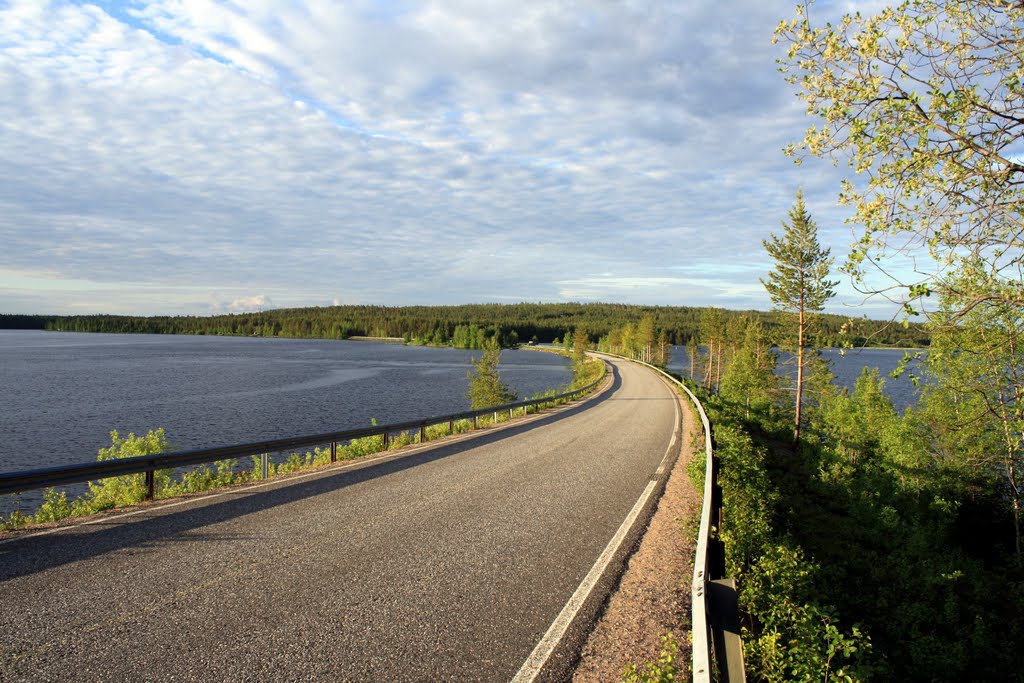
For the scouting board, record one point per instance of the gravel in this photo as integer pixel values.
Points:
(653, 596)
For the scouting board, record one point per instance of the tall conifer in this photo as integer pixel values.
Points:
(799, 282)
(485, 386)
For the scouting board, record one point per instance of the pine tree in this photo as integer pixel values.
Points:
(581, 341)
(485, 386)
(799, 282)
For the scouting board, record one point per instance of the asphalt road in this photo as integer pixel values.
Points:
(447, 564)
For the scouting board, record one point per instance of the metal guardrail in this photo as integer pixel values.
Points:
(714, 629)
(27, 480)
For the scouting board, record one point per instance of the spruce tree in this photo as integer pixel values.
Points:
(485, 386)
(581, 341)
(799, 282)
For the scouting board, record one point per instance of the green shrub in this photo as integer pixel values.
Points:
(129, 489)
(15, 520)
(665, 670)
(55, 507)
(796, 638)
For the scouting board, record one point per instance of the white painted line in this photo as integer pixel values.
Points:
(663, 467)
(540, 655)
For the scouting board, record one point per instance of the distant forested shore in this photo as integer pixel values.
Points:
(511, 323)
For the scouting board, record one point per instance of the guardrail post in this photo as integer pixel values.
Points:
(474, 422)
(725, 630)
(423, 433)
(334, 451)
(451, 426)
(385, 441)
(150, 484)
(264, 466)
(495, 417)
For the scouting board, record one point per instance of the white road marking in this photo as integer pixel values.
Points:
(545, 648)
(540, 655)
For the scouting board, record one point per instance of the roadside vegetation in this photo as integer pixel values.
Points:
(883, 546)
(663, 670)
(879, 549)
(869, 544)
(124, 491)
(879, 545)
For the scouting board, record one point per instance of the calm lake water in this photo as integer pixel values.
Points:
(64, 392)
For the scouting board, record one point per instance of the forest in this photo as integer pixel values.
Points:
(448, 325)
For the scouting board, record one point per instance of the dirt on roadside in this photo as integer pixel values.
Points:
(653, 596)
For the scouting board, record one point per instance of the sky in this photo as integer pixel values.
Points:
(202, 156)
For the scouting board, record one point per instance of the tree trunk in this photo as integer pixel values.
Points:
(799, 377)
(718, 372)
(1016, 514)
(709, 370)
(1011, 475)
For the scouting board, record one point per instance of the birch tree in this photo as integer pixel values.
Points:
(925, 103)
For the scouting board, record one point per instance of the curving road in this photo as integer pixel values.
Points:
(450, 563)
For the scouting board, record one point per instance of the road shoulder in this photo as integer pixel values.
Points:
(653, 595)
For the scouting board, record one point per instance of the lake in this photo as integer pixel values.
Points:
(65, 391)
(846, 366)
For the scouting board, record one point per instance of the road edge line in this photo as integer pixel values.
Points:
(538, 659)
(535, 663)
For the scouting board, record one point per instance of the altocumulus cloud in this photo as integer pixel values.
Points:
(175, 157)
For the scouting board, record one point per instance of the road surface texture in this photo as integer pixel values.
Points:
(448, 563)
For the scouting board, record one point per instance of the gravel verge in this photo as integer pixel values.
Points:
(653, 596)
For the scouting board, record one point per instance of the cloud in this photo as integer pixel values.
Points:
(398, 153)
(245, 304)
